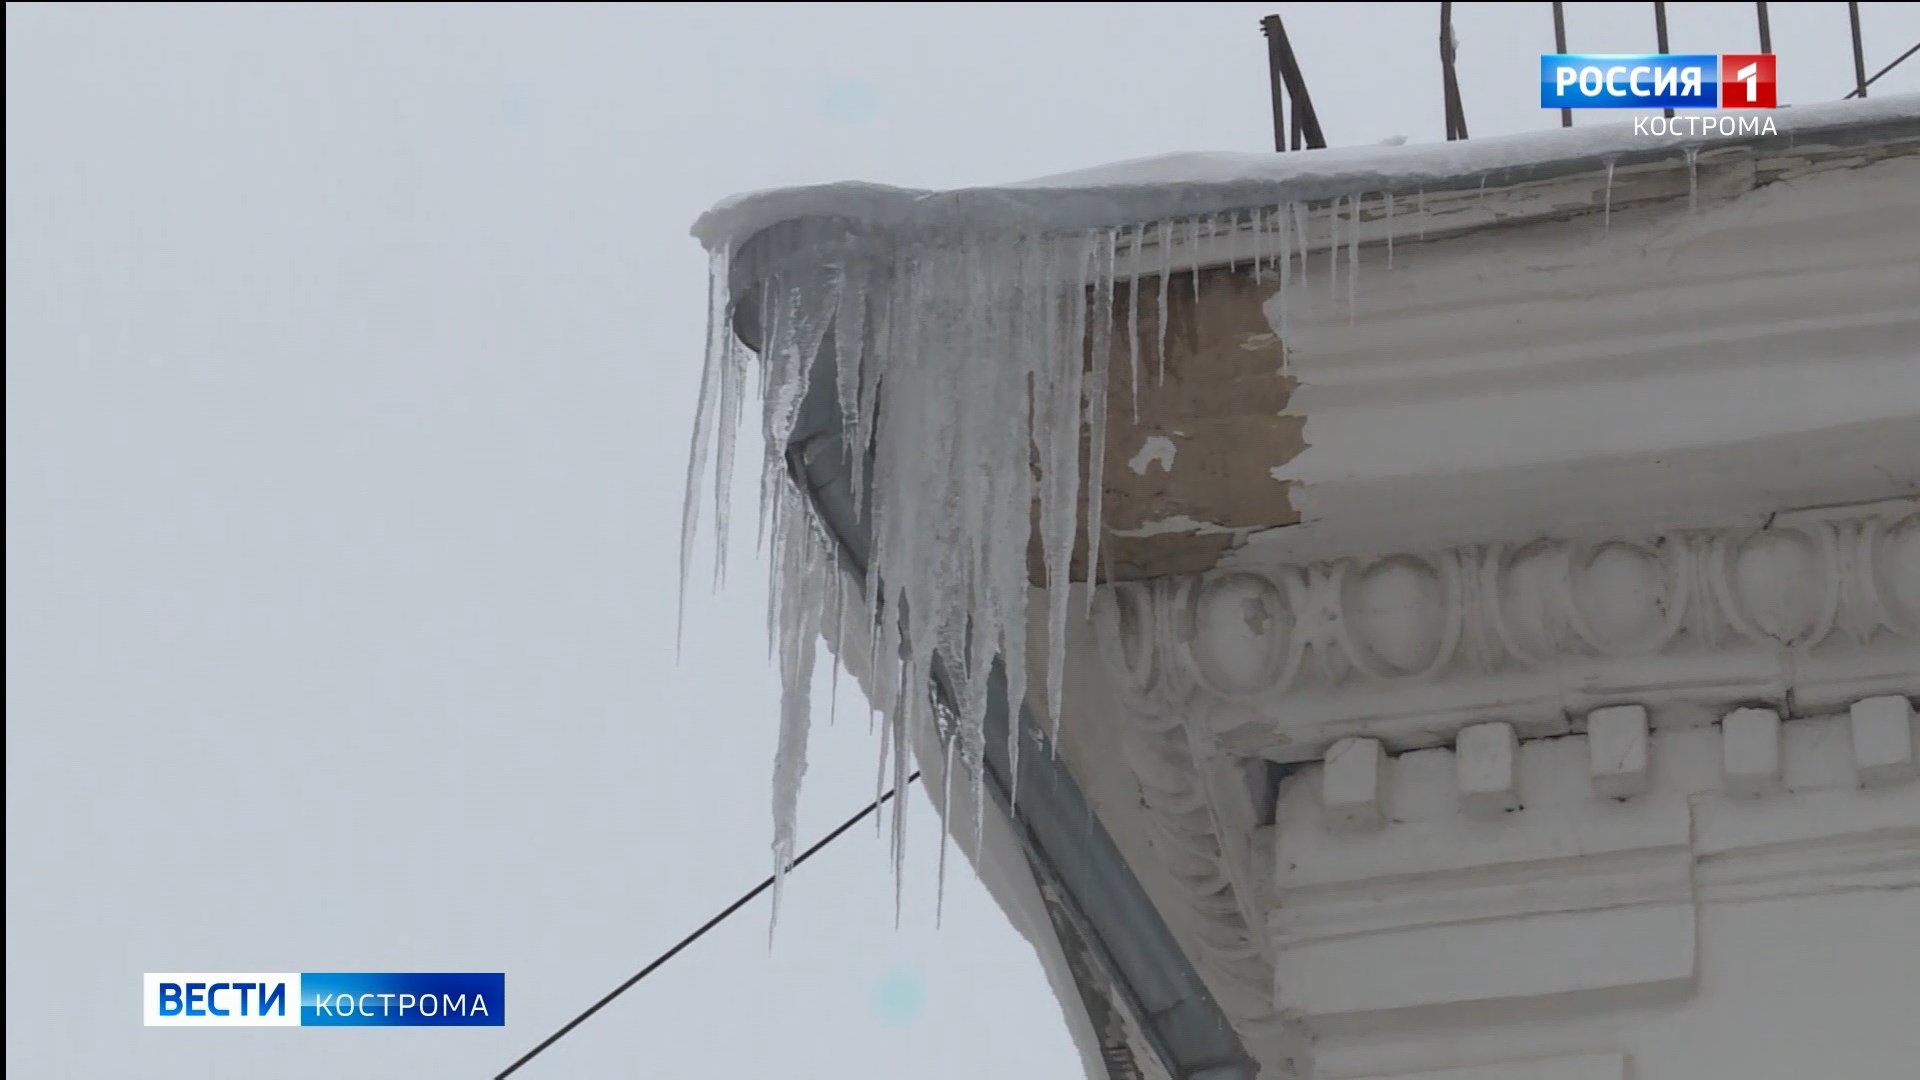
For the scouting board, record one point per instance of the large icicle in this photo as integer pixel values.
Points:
(720, 356)
(1133, 320)
(1058, 397)
(1105, 255)
(1389, 198)
(1285, 214)
(1259, 240)
(971, 377)
(1333, 248)
(733, 393)
(1300, 230)
(804, 560)
(1196, 241)
(1353, 255)
(1166, 276)
(946, 812)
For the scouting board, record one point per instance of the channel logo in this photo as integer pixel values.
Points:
(324, 999)
(1658, 81)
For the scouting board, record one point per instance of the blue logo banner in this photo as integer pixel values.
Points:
(325, 999)
(1629, 80)
(402, 999)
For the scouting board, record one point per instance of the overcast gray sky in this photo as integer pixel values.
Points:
(350, 356)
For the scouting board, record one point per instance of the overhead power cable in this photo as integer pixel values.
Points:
(872, 807)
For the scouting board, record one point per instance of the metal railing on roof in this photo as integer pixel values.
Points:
(1296, 126)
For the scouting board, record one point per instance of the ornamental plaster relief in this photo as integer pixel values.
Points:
(1516, 752)
(1815, 609)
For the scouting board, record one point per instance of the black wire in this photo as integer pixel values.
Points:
(696, 935)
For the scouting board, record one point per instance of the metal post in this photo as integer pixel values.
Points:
(1766, 29)
(1859, 54)
(1280, 52)
(1449, 79)
(1268, 26)
(1660, 31)
(1560, 46)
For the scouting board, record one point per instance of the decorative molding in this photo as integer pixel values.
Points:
(1802, 633)
(1817, 608)
(1201, 824)
(1590, 882)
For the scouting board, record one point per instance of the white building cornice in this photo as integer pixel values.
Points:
(1602, 611)
(1807, 611)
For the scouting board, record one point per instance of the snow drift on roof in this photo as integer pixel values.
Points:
(1178, 185)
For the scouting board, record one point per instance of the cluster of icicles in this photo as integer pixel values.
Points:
(967, 364)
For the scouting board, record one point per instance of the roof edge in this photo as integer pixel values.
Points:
(1180, 185)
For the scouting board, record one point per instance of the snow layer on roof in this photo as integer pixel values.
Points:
(1177, 185)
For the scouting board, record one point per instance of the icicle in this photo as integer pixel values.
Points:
(1059, 502)
(800, 584)
(1259, 240)
(1286, 300)
(1333, 248)
(1166, 275)
(900, 801)
(849, 350)
(1194, 242)
(718, 361)
(776, 326)
(1300, 231)
(946, 832)
(1420, 211)
(972, 720)
(1693, 178)
(1483, 189)
(1606, 216)
(1389, 197)
(1104, 256)
(880, 776)
(839, 644)
(1133, 321)
(885, 291)
(1229, 238)
(1353, 254)
(733, 387)
(998, 322)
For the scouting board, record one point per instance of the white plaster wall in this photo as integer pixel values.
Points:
(1792, 989)
(1805, 988)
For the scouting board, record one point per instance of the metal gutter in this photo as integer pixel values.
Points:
(1120, 950)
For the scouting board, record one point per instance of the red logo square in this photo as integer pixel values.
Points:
(1746, 81)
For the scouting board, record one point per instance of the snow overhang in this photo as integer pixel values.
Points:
(1403, 284)
(1188, 184)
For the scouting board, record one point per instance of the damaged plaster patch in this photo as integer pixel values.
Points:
(1177, 523)
(1157, 450)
